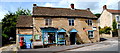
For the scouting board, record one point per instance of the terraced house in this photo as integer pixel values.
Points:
(107, 17)
(58, 26)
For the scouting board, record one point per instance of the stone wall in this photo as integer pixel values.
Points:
(106, 36)
(63, 23)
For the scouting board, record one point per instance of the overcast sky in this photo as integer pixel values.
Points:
(94, 5)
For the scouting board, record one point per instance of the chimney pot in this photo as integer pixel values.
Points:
(34, 4)
(104, 7)
(88, 9)
(72, 6)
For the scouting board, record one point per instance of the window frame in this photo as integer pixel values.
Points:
(37, 37)
(89, 36)
(117, 18)
(89, 22)
(118, 26)
(71, 22)
(48, 21)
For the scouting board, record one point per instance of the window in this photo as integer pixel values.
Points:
(89, 22)
(71, 22)
(117, 18)
(37, 37)
(90, 34)
(48, 21)
(118, 26)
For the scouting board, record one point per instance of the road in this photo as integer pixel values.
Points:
(112, 48)
(109, 45)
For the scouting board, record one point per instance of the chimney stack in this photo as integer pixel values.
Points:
(72, 6)
(34, 5)
(104, 7)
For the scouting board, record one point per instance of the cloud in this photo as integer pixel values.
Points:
(48, 0)
(95, 6)
(48, 5)
(2, 13)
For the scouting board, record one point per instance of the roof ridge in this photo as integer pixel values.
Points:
(111, 9)
(58, 8)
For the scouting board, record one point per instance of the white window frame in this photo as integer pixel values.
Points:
(92, 36)
(49, 20)
(89, 21)
(116, 18)
(117, 26)
(38, 37)
(70, 23)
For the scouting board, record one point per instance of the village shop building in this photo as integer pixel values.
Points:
(58, 26)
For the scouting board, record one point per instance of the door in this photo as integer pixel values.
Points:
(72, 38)
(51, 37)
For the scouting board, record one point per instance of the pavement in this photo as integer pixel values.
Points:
(11, 47)
(58, 48)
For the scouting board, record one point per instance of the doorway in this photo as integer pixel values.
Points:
(51, 37)
(73, 38)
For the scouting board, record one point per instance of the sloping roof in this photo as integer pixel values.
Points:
(48, 11)
(24, 21)
(113, 11)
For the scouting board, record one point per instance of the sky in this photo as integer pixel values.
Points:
(94, 5)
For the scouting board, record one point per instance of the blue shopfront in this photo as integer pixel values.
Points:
(53, 36)
(27, 40)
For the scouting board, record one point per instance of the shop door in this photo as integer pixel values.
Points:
(72, 38)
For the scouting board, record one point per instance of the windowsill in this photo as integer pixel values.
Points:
(91, 37)
(89, 25)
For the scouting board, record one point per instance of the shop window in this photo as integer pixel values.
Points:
(37, 37)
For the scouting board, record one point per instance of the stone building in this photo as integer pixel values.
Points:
(107, 17)
(61, 26)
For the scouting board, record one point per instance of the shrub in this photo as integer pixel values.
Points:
(105, 30)
(115, 30)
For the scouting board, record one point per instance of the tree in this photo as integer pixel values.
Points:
(114, 25)
(98, 15)
(9, 24)
(115, 30)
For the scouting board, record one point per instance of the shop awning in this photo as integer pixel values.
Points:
(73, 30)
(62, 30)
